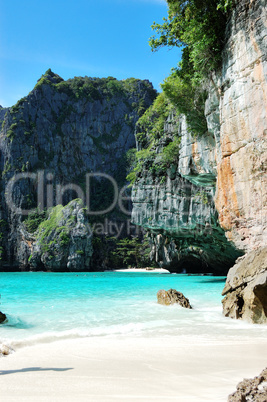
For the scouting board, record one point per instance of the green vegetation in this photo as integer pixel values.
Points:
(170, 153)
(47, 226)
(7, 168)
(151, 124)
(34, 219)
(203, 196)
(95, 88)
(150, 130)
(121, 253)
(51, 228)
(199, 28)
(189, 99)
(158, 163)
(131, 252)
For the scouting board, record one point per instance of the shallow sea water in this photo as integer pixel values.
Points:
(42, 307)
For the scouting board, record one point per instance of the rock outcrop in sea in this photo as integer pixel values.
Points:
(172, 296)
(245, 290)
(2, 317)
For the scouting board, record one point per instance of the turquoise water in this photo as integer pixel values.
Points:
(43, 307)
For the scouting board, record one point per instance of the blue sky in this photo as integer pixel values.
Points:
(97, 38)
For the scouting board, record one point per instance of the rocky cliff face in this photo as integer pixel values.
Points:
(177, 209)
(212, 205)
(56, 135)
(241, 197)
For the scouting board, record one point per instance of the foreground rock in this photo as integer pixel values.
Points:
(245, 290)
(63, 241)
(2, 317)
(254, 389)
(171, 296)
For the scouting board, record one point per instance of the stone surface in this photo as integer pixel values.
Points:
(254, 389)
(172, 296)
(2, 317)
(178, 211)
(60, 132)
(63, 241)
(245, 291)
(241, 197)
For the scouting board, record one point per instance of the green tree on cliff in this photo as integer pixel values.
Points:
(198, 26)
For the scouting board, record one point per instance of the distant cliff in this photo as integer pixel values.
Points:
(56, 135)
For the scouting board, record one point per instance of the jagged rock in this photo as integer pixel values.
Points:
(245, 290)
(254, 389)
(172, 296)
(63, 241)
(2, 317)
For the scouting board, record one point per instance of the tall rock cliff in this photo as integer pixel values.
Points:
(241, 197)
(212, 205)
(56, 135)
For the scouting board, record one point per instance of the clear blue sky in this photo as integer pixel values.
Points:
(97, 38)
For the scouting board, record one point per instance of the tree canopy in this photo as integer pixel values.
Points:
(198, 26)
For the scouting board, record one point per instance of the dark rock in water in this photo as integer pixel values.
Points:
(2, 317)
(171, 296)
(254, 389)
(245, 290)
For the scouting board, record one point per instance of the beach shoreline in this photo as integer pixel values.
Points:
(129, 369)
(141, 270)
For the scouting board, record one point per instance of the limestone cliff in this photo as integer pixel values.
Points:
(212, 205)
(56, 135)
(176, 207)
(241, 196)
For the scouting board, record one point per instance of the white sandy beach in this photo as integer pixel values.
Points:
(143, 270)
(127, 369)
